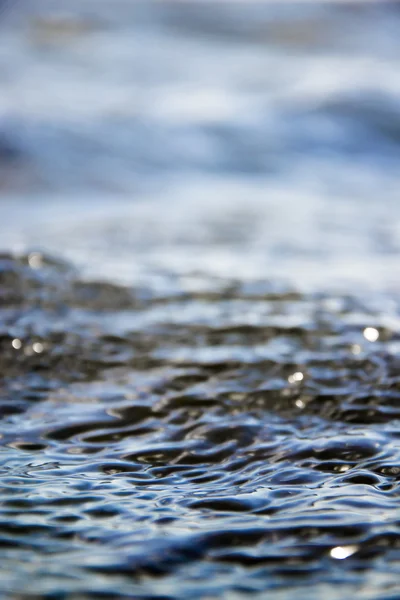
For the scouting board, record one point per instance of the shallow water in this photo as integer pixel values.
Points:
(200, 309)
(184, 444)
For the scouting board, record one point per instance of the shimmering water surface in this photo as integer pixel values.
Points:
(200, 302)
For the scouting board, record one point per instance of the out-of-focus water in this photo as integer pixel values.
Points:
(200, 309)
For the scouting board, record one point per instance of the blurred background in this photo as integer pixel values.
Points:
(157, 139)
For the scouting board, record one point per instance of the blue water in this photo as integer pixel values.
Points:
(200, 309)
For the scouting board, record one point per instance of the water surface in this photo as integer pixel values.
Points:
(200, 310)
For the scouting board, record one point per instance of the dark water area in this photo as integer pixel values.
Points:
(199, 301)
(222, 441)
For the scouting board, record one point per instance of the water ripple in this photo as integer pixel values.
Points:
(233, 441)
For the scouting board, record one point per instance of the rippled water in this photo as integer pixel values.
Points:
(199, 302)
(230, 437)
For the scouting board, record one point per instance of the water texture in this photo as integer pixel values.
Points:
(199, 302)
(193, 443)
